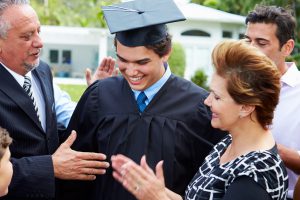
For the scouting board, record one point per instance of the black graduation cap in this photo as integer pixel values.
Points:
(141, 22)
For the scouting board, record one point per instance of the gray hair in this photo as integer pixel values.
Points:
(4, 4)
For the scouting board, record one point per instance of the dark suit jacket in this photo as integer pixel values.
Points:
(31, 150)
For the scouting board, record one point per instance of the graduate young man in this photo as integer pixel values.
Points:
(146, 111)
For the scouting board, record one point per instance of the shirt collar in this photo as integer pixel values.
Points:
(292, 76)
(19, 78)
(153, 89)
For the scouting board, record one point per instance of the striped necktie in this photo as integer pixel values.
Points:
(141, 99)
(28, 90)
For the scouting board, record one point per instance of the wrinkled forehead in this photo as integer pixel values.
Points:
(261, 30)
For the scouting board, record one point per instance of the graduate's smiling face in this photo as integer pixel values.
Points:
(141, 67)
(225, 111)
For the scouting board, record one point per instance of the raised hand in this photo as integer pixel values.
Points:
(105, 69)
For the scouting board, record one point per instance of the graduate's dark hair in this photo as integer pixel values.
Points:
(282, 17)
(5, 141)
(161, 48)
(252, 78)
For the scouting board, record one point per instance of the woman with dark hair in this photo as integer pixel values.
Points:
(245, 164)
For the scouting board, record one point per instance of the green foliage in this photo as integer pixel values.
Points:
(210, 3)
(177, 59)
(75, 91)
(296, 58)
(81, 13)
(242, 7)
(200, 78)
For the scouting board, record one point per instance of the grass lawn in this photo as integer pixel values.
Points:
(75, 91)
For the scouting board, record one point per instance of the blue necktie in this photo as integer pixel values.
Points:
(141, 99)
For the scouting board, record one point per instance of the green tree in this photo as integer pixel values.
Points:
(177, 59)
(243, 7)
(80, 13)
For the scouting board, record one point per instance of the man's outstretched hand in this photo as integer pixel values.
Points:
(75, 165)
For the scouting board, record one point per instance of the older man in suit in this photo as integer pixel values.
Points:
(27, 111)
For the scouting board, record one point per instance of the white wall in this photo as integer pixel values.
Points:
(87, 45)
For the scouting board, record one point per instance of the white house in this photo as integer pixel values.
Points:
(202, 30)
(69, 50)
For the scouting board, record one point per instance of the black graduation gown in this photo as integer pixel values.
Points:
(175, 127)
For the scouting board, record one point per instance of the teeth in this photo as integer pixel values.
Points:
(136, 79)
(35, 53)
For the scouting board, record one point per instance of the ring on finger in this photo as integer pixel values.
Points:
(136, 188)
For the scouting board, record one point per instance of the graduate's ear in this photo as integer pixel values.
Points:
(165, 58)
(246, 110)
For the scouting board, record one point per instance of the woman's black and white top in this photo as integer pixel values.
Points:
(213, 180)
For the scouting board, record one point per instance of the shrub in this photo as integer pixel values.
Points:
(177, 60)
(200, 79)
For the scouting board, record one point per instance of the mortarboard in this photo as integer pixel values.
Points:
(141, 22)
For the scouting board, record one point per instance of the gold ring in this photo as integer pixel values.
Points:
(136, 188)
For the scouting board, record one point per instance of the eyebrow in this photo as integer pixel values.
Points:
(212, 91)
(256, 39)
(136, 61)
(215, 93)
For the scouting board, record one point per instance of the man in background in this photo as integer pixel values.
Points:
(272, 30)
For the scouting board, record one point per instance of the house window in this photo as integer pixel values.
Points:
(53, 56)
(66, 57)
(227, 34)
(241, 36)
(195, 32)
